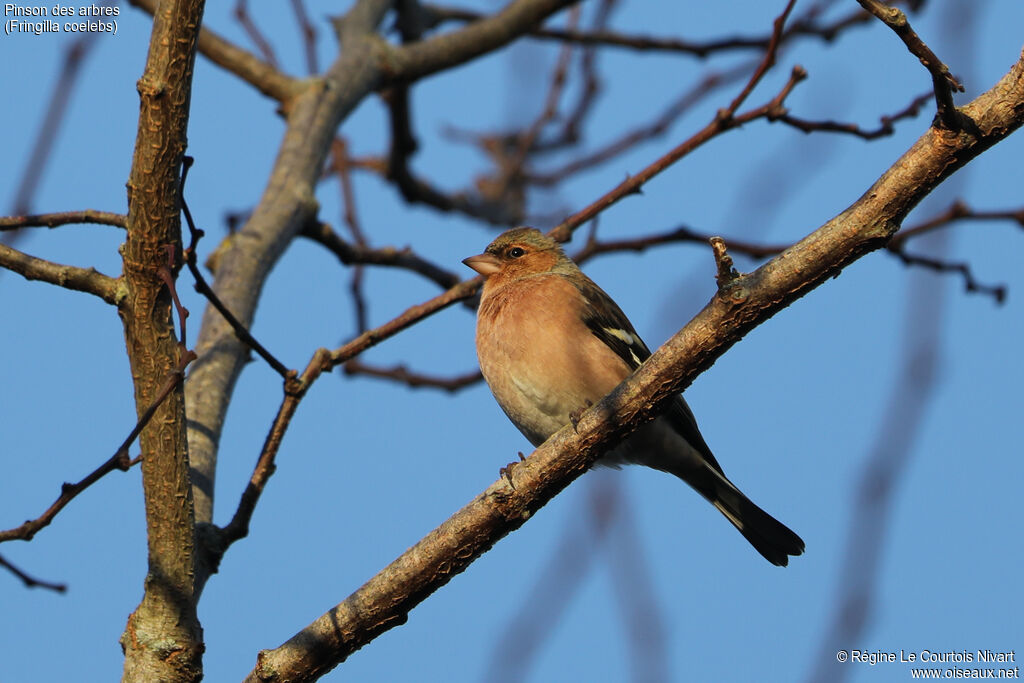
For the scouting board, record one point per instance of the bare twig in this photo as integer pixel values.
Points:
(262, 75)
(943, 82)
(404, 258)
(203, 287)
(725, 120)
(88, 280)
(308, 35)
(767, 62)
(120, 460)
(385, 600)
(595, 247)
(599, 37)
(725, 272)
(896, 246)
(957, 211)
(591, 86)
(707, 85)
(403, 375)
(528, 138)
(295, 390)
(74, 57)
(884, 129)
(339, 162)
(410, 316)
(484, 206)
(52, 220)
(241, 13)
(997, 292)
(31, 581)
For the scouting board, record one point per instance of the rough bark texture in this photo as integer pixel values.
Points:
(163, 638)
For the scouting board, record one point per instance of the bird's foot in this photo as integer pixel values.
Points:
(574, 416)
(506, 471)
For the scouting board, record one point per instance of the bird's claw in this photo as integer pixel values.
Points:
(574, 416)
(506, 471)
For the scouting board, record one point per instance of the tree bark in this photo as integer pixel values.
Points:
(163, 638)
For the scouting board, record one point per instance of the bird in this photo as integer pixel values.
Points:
(550, 342)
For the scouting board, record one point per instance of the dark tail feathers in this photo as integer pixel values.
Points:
(770, 537)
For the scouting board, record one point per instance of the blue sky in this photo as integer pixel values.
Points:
(368, 467)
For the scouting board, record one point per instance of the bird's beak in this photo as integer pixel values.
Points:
(485, 264)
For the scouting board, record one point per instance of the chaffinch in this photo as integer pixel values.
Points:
(551, 342)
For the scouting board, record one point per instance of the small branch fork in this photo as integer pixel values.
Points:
(203, 287)
(943, 82)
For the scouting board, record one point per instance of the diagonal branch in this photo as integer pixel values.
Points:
(386, 599)
(118, 461)
(203, 287)
(724, 121)
(31, 581)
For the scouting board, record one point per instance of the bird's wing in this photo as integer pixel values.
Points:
(608, 323)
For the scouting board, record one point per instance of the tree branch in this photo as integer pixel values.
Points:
(805, 26)
(403, 375)
(31, 581)
(884, 129)
(118, 461)
(287, 205)
(403, 258)
(724, 121)
(88, 280)
(52, 220)
(386, 599)
(247, 66)
(163, 638)
(943, 82)
(427, 57)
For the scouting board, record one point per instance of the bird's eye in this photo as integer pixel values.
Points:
(516, 252)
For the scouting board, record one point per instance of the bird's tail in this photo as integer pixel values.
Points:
(770, 537)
